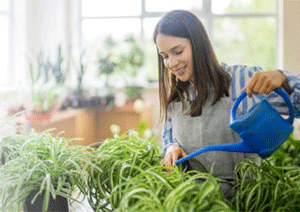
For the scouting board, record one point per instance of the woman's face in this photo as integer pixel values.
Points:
(177, 55)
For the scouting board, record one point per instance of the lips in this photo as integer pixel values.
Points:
(180, 71)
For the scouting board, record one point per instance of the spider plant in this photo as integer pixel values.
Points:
(110, 159)
(161, 191)
(9, 147)
(266, 187)
(42, 164)
(129, 178)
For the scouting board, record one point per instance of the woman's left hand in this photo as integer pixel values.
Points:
(264, 82)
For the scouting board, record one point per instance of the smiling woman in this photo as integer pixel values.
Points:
(177, 55)
(197, 94)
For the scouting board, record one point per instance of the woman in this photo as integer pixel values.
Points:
(197, 93)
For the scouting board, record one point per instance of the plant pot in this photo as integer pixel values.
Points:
(38, 116)
(59, 204)
(109, 101)
(129, 105)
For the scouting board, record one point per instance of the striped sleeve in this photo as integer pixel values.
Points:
(167, 136)
(241, 75)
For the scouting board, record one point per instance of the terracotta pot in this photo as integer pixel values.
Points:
(129, 105)
(37, 116)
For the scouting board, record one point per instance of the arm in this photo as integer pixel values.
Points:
(255, 80)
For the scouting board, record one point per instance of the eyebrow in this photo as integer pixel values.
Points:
(175, 47)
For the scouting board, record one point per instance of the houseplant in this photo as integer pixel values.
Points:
(123, 58)
(131, 179)
(44, 169)
(43, 94)
(58, 71)
(133, 93)
(108, 62)
(131, 61)
(9, 147)
(47, 83)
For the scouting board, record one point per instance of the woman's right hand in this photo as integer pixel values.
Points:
(173, 153)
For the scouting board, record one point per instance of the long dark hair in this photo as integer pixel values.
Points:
(209, 76)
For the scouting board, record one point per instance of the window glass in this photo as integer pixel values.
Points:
(249, 41)
(4, 42)
(168, 5)
(111, 8)
(3, 5)
(96, 31)
(151, 60)
(243, 6)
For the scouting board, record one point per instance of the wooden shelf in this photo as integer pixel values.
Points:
(89, 125)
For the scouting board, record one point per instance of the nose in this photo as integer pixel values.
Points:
(172, 62)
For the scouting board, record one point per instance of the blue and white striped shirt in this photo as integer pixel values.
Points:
(241, 75)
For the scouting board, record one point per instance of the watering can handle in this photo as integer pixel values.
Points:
(277, 90)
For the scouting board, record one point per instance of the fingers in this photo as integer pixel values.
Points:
(264, 82)
(249, 87)
(270, 89)
(172, 155)
(259, 85)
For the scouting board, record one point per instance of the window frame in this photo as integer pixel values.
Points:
(9, 85)
(207, 14)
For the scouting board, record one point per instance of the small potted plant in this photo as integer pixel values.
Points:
(45, 104)
(126, 58)
(132, 61)
(132, 93)
(42, 174)
(44, 97)
(108, 64)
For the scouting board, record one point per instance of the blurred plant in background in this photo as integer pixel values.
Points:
(288, 153)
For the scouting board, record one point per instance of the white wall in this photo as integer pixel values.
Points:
(291, 35)
(45, 28)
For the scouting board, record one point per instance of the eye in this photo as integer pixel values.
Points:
(178, 53)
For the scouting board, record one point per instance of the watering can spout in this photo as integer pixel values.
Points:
(235, 147)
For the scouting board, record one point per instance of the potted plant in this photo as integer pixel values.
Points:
(132, 93)
(42, 175)
(9, 147)
(131, 61)
(126, 58)
(131, 179)
(45, 104)
(60, 74)
(108, 64)
(77, 97)
(44, 96)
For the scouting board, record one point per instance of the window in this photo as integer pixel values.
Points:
(12, 43)
(241, 31)
(5, 42)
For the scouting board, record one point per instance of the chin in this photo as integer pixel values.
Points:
(183, 79)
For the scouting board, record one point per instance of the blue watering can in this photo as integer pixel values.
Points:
(262, 129)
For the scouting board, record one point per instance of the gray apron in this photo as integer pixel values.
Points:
(211, 127)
